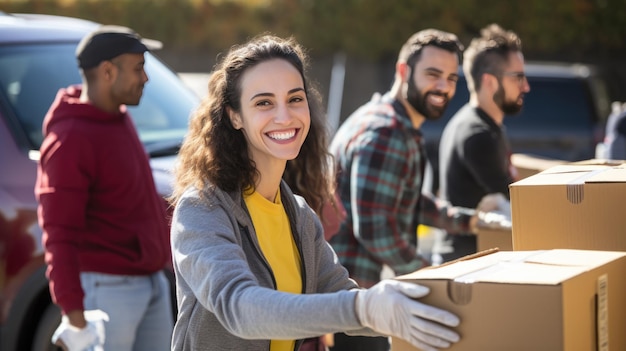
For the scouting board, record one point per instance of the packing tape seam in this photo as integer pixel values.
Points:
(575, 189)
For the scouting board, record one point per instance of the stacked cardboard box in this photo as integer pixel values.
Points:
(564, 286)
(531, 300)
(576, 205)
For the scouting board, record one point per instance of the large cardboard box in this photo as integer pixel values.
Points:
(578, 206)
(541, 300)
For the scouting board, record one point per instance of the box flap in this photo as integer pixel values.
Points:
(610, 175)
(586, 258)
(528, 165)
(547, 267)
(572, 168)
(600, 161)
(577, 174)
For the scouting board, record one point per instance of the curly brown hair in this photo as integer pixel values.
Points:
(214, 153)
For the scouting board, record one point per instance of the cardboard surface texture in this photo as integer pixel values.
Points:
(576, 205)
(531, 300)
(489, 238)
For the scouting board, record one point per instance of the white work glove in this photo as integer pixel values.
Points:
(390, 309)
(495, 202)
(71, 338)
(494, 211)
(495, 220)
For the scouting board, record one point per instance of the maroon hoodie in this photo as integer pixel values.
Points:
(98, 205)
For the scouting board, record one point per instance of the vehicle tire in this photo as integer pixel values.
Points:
(48, 323)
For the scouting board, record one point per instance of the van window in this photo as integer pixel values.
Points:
(566, 102)
(31, 75)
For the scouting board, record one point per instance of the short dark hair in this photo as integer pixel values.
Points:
(489, 53)
(412, 48)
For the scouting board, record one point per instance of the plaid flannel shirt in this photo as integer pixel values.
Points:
(380, 163)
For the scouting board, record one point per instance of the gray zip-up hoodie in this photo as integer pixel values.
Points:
(226, 289)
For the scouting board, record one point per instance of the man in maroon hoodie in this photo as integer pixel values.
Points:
(105, 230)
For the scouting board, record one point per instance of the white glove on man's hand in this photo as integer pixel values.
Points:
(495, 202)
(71, 338)
(494, 219)
(388, 308)
(494, 211)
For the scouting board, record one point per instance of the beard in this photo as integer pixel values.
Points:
(509, 107)
(420, 103)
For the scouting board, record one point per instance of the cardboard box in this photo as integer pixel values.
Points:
(576, 206)
(493, 230)
(489, 238)
(528, 165)
(538, 300)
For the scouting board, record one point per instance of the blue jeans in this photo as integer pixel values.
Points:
(139, 309)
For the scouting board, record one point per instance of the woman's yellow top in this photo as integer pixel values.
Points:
(273, 231)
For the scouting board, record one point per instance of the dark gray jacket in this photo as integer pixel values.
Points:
(225, 287)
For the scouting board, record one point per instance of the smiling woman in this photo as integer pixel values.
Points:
(274, 118)
(253, 270)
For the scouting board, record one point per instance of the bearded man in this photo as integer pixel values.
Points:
(474, 153)
(380, 163)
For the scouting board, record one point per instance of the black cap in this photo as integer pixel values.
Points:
(110, 41)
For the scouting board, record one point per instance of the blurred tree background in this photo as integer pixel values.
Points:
(368, 32)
